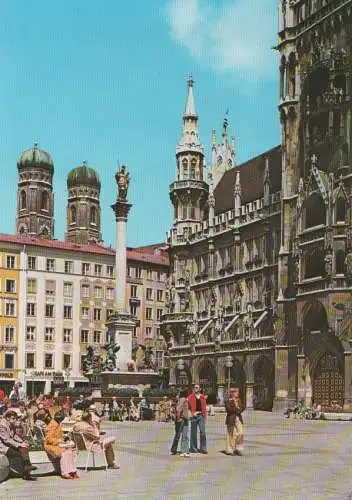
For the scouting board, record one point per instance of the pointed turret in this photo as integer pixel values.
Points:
(190, 142)
(189, 192)
(266, 183)
(223, 155)
(237, 193)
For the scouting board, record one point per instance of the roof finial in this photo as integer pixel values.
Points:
(190, 107)
(35, 144)
(84, 163)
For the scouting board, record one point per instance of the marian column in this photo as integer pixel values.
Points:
(121, 324)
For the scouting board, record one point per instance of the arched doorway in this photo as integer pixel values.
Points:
(208, 380)
(328, 380)
(237, 378)
(324, 381)
(263, 390)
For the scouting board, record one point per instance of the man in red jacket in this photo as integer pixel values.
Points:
(198, 407)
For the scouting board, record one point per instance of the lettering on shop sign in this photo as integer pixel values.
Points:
(6, 375)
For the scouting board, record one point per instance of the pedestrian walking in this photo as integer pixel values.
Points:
(181, 426)
(198, 408)
(234, 423)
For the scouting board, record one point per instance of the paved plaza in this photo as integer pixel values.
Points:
(284, 459)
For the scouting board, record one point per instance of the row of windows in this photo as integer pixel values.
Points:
(138, 272)
(48, 360)
(50, 289)
(86, 267)
(148, 293)
(148, 312)
(93, 215)
(44, 200)
(49, 312)
(49, 335)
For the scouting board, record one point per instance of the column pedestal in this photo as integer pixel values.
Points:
(120, 328)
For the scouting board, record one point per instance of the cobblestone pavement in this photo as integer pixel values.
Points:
(284, 459)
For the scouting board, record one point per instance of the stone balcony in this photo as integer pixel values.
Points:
(177, 317)
(225, 346)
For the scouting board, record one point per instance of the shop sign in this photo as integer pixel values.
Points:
(41, 374)
(7, 375)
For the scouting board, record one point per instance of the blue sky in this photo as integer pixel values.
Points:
(106, 81)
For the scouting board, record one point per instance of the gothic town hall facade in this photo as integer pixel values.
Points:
(260, 286)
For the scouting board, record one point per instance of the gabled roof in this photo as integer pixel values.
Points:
(251, 178)
(160, 257)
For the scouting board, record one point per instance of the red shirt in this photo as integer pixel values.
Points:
(192, 401)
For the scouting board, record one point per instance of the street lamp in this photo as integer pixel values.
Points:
(229, 365)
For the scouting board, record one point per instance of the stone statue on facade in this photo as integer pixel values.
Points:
(328, 261)
(348, 264)
(123, 181)
(212, 303)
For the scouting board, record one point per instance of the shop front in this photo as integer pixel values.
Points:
(39, 382)
(7, 381)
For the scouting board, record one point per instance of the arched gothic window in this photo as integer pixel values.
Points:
(193, 169)
(93, 215)
(283, 78)
(340, 209)
(314, 263)
(315, 211)
(23, 200)
(185, 168)
(340, 262)
(291, 76)
(73, 214)
(44, 201)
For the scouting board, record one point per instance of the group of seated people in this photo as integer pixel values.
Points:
(42, 421)
(301, 410)
(123, 411)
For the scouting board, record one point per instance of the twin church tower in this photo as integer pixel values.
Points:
(35, 199)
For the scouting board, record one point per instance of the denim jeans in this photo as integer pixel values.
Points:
(198, 421)
(181, 431)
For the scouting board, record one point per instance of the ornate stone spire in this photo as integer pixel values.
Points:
(190, 110)
(190, 142)
(237, 193)
(223, 155)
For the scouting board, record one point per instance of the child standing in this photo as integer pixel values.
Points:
(68, 458)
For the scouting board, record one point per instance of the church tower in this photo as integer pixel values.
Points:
(189, 196)
(189, 192)
(83, 206)
(35, 197)
(314, 264)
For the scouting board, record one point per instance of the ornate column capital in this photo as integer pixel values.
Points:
(121, 209)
